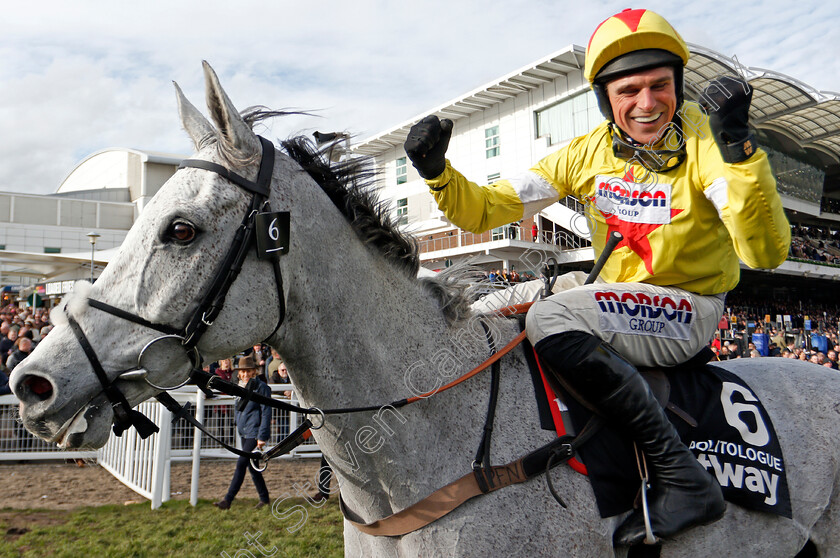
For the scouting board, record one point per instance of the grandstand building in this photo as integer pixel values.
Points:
(44, 239)
(506, 126)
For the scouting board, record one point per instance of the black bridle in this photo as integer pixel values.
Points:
(211, 304)
(209, 307)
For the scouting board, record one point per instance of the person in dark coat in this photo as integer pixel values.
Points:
(23, 347)
(4, 384)
(253, 422)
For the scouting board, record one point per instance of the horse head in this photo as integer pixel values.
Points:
(163, 270)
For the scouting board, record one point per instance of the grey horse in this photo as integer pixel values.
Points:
(360, 329)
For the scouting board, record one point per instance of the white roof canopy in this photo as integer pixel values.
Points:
(781, 103)
(50, 267)
(530, 77)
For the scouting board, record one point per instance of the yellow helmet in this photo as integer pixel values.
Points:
(631, 31)
(628, 42)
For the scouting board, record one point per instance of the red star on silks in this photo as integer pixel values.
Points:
(635, 234)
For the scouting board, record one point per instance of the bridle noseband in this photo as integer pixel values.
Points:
(211, 303)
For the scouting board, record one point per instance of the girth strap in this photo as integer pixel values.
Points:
(450, 497)
(124, 415)
(441, 502)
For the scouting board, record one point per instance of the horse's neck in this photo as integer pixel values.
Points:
(372, 338)
(350, 313)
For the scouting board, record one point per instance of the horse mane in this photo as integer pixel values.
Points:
(350, 185)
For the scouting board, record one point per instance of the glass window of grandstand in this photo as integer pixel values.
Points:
(402, 170)
(569, 118)
(498, 233)
(402, 211)
(493, 177)
(491, 141)
(799, 173)
(49, 250)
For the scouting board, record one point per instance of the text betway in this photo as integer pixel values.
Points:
(753, 479)
(731, 449)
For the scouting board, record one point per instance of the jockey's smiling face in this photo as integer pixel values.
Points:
(643, 103)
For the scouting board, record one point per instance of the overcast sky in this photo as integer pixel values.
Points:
(80, 76)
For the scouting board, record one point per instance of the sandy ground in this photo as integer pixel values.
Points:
(61, 486)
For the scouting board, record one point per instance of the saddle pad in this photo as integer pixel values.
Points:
(734, 440)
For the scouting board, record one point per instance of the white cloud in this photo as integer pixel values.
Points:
(76, 77)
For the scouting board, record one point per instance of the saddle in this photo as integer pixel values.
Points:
(660, 384)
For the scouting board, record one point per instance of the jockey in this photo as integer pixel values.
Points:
(691, 193)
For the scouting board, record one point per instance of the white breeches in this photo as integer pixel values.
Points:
(647, 324)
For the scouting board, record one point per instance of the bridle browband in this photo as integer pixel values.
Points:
(212, 301)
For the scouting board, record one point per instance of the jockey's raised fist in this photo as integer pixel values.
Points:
(426, 145)
(727, 102)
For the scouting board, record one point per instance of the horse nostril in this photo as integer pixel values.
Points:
(39, 386)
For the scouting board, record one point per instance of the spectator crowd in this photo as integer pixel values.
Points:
(793, 338)
(20, 332)
(504, 276)
(270, 367)
(815, 244)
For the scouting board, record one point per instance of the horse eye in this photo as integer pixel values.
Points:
(181, 232)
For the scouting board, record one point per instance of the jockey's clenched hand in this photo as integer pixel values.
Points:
(426, 145)
(727, 102)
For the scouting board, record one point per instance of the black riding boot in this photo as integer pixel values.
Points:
(683, 494)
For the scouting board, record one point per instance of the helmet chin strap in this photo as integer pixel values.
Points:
(653, 160)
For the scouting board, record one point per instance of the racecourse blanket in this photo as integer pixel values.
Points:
(734, 440)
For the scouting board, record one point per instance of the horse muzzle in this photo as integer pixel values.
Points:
(58, 413)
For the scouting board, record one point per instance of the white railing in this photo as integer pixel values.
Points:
(460, 239)
(16, 444)
(144, 465)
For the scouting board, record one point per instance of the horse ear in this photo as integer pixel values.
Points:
(198, 127)
(233, 128)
